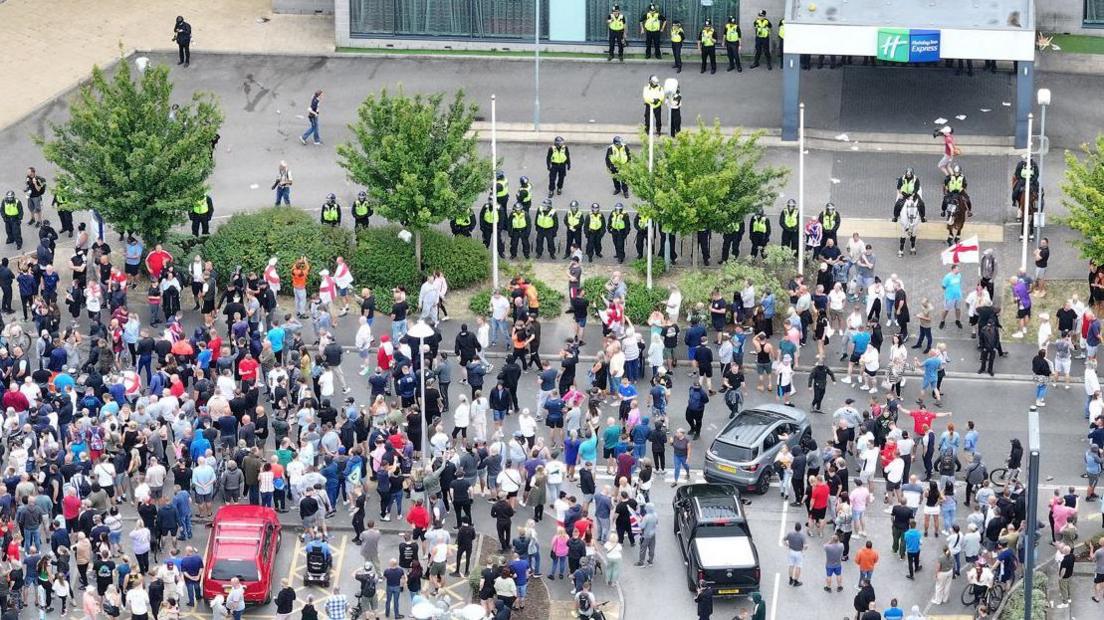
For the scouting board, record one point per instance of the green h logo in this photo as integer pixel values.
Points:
(893, 44)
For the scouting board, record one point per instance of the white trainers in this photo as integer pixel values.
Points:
(1017, 334)
(845, 380)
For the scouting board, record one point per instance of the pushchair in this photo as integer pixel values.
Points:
(318, 568)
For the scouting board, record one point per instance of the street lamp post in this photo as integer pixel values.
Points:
(801, 189)
(1027, 198)
(1032, 490)
(1043, 98)
(421, 330)
(494, 205)
(651, 161)
(536, 64)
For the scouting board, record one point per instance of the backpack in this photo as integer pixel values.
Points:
(947, 464)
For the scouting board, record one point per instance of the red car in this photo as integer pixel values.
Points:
(244, 542)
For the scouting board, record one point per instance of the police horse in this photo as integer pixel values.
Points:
(1033, 199)
(956, 208)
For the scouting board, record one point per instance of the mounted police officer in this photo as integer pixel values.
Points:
(1021, 177)
(908, 186)
(954, 185)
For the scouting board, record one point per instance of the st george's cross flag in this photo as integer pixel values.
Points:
(964, 252)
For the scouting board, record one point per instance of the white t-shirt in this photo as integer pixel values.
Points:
(138, 601)
(500, 307)
(105, 474)
(836, 299)
(895, 470)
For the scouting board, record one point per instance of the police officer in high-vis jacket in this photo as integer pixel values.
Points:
(201, 214)
(558, 162)
(462, 225)
(908, 185)
(667, 243)
(615, 22)
(732, 44)
(12, 211)
(492, 217)
(829, 220)
(594, 225)
(573, 222)
(617, 155)
(640, 223)
(518, 223)
(731, 238)
(525, 194)
(502, 190)
(652, 24)
(759, 228)
(546, 223)
(703, 245)
(762, 39)
(618, 226)
(362, 210)
(790, 221)
(331, 211)
(707, 46)
(678, 36)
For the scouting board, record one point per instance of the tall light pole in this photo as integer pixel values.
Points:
(494, 203)
(1043, 98)
(1027, 197)
(536, 64)
(1032, 490)
(421, 330)
(651, 162)
(801, 189)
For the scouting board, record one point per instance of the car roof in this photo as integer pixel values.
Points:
(238, 530)
(750, 424)
(714, 502)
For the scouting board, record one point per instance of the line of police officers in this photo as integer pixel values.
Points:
(653, 23)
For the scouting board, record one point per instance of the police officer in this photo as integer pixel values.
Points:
(908, 185)
(762, 39)
(678, 35)
(707, 46)
(547, 224)
(615, 21)
(653, 104)
(675, 103)
(502, 190)
(703, 245)
(731, 239)
(617, 155)
(829, 222)
(619, 230)
(595, 225)
(462, 225)
(331, 211)
(732, 44)
(558, 162)
(491, 217)
(1021, 177)
(61, 198)
(573, 222)
(12, 211)
(760, 233)
(200, 215)
(667, 243)
(789, 221)
(953, 185)
(525, 194)
(640, 223)
(651, 26)
(362, 210)
(519, 231)
(782, 40)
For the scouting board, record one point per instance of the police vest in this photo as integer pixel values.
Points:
(361, 209)
(644, 221)
(61, 195)
(781, 29)
(594, 221)
(676, 34)
(955, 183)
(559, 154)
(762, 28)
(651, 21)
(502, 188)
(525, 194)
(573, 219)
(759, 225)
(618, 154)
(789, 218)
(517, 220)
(11, 208)
(707, 37)
(732, 33)
(490, 216)
(616, 22)
(463, 219)
(654, 96)
(617, 220)
(329, 213)
(1027, 172)
(201, 207)
(829, 220)
(545, 219)
(908, 186)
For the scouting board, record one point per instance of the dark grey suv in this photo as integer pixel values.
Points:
(743, 452)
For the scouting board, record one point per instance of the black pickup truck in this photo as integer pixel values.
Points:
(715, 539)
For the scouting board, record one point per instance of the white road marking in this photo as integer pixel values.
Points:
(774, 596)
(781, 533)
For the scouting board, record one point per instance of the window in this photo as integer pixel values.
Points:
(1094, 13)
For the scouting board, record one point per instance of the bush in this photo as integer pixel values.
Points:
(639, 301)
(640, 267)
(182, 246)
(696, 287)
(1013, 608)
(384, 261)
(551, 300)
(250, 239)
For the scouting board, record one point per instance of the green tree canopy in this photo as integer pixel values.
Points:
(126, 153)
(703, 180)
(1084, 190)
(415, 158)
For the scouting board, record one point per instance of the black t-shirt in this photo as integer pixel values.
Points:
(1065, 567)
(1044, 256)
(670, 336)
(398, 310)
(1066, 319)
(368, 306)
(901, 516)
(308, 506)
(579, 308)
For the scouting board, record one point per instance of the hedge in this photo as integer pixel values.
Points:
(551, 300)
(384, 261)
(250, 239)
(698, 286)
(639, 301)
(1014, 603)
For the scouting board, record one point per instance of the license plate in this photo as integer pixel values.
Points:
(726, 468)
(728, 591)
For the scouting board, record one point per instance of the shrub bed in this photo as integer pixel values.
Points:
(551, 300)
(639, 301)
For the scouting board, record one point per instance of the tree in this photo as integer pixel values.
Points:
(125, 152)
(702, 180)
(1084, 190)
(415, 159)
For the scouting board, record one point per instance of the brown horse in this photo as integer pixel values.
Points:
(1032, 199)
(958, 208)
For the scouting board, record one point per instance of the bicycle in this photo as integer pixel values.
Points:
(1003, 476)
(597, 614)
(991, 597)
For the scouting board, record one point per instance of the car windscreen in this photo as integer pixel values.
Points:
(732, 452)
(225, 570)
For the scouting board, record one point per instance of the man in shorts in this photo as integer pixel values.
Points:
(952, 296)
(1098, 559)
(796, 543)
(949, 149)
(833, 564)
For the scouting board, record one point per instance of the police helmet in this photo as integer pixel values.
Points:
(908, 173)
(652, 7)
(731, 19)
(517, 206)
(331, 197)
(594, 206)
(617, 140)
(653, 80)
(362, 195)
(546, 203)
(956, 169)
(762, 12)
(574, 204)
(524, 180)
(10, 195)
(830, 206)
(791, 203)
(708, 23)
(619, 206)
(616, 8)
(558, 141)
(500, 175)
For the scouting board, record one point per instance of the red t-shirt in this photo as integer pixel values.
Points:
(418, 517)
(819, 496)
(248, 369)
(920, 419)
(582, 526)
(156, 262)
(70, 506)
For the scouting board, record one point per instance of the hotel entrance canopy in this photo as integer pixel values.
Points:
(909, 32)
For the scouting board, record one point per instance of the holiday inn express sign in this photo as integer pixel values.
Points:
(907, 45)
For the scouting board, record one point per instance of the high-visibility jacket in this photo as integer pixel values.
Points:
(616, 22)
(361, 208)
(546, 218)
(955, 183)
(781, 29)
(330, 212)
(653, 95)
(201, 207)
(559, 154)
(518, 220)
(706, 37)
(525, 194)
(759, 224)
(789, 218)
(11, 208)
(829, 220)
(573, 219)
(651, 21)
(463, 219)
(908, 186)
(619, 154)
(732, 33)
(677, 34)
(502, 188)
(595, 221)
(762, 28)
(490, 214)
(617, 220)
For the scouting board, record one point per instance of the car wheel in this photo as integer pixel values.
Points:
(268, 595)
(762, 483)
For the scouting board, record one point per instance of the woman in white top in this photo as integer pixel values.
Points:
(898, 359)
(871, 364)
(655, 353)
(613, 559)
(874, 300)
(527, 424)
(461, 418)
(674, 303)
(785, 380)
(478, 415)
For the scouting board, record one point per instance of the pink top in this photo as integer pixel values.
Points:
(859, 497)
(1062, 514)
(559, 546)
(948, 144)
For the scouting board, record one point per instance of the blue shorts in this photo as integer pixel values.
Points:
(522, 589)
(690, 351)
(831, 571)
(929, 385)
(499, 415)
(581, 322)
